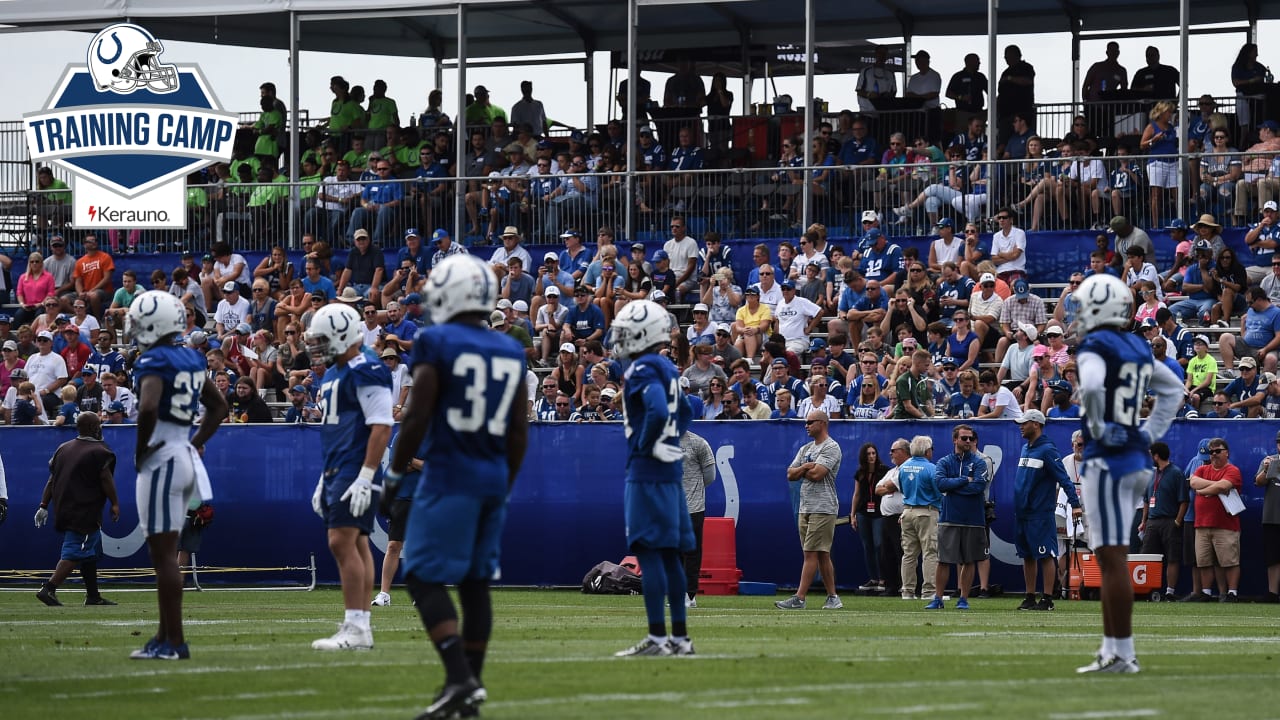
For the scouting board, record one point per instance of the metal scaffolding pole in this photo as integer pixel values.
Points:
(461, 140)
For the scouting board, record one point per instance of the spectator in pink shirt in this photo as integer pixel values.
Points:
(34, 286)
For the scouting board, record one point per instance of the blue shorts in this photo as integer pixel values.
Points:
(337, 512)
(1036, 537)
(451, 537)
(77, 547)
(658, 517)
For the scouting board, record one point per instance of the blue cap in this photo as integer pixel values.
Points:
(413, 299)
(63, 318)
(1177, 224)
(298, 389)
(88, 370)
(817, 344)
(1021, 288)
(115, 407)
(545, 145)
(1203, 449)
(1271, 125)
(788, 285)
(779, 362)
(661, 255)
(577, 136)
(948, 360)
(1149, 323)
(439, 235)
(4, 318)
(569, 234)
(411, 232)
(872, 235)
(1060, 386)
(945, 222)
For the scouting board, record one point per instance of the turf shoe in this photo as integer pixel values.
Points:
(348, 637)
(833, 603)
(98, 601)
(147, 650)
(682, 647)
(962, 604)
(935, 604)
(382, 599)
(1046, 603)
(49, 597)
(691, 603)
(161, 651)
(791, 603)
(455, 697)
(1028, 603)
(1111, 664)
(647, 646)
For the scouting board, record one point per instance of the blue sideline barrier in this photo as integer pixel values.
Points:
(566, 511)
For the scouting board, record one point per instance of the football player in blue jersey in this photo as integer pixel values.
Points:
(355, 428)
(655, 415)
(1116, 370)
(171, 386)
(467, 419)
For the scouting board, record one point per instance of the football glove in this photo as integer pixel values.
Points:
(360, 492)
(202, 516)
(663, 452)
(41, 516)
(317, 498)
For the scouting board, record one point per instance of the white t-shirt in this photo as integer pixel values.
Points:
(923, 83)
(803, 261)
(830, 406)
(335, 188)
(947, 253)
(1000, 243)
(890, 504)
(371, 335)
(236, 259)
(43, 370)
(232, 315)
(682, 253)
(794, 316)
(1002, 396)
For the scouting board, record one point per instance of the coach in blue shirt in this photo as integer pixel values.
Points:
(1035, 497)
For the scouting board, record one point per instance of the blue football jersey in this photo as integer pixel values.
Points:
(648, 420)
(1129, 368)
(182, 372)
(481, 373)
(344, 434)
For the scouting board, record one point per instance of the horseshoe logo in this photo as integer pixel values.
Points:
(113, 58)
(333, 322)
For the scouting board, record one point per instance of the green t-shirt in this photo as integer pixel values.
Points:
(348, 115)
(917, 390)
(1198, 368)
(272, 192)
(407, 155)
(382, 113)
(357, 160)
(197, 197)
(266, 144)
(60, 197)
(308, 186)
(124, 298)
(484, 115)
(254, 165)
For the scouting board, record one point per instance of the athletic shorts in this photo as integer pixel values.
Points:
(450, 538)
(399, 519)
(1110, 500)
(337, 512)
(817, 531)
(1217, 544)
(657, 516)
(1163, 538)
(961, 544)
(166, 482)
(1035, 537)
(78, 547)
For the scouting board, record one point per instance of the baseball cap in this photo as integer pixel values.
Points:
(71, 327)
(56, 241)
(550, 256)
(779, 362)
(197, 338)
(504, 304)
(298, 389)
(1200, 339)
(206, 258)
(545, 145)
(986, 278)
(658, 296)
(817, 344)
(115, 407)
(1039, 351)
(18, 373)
(570, 234)
(581, 290)
(1021, 288)
(1271, 125)
(87, 370)
(5, 319)
(439, 235)
(753, 290)
(187, 254)
(870, 216)
(1150, 323)
(909, 341)
(62, 319)
(569, 348)
(45, 334)
(496, 318)
(1031, 416)
(788, 285)
(1060, 385)
(661, 255)
(1248, 362)
(701, 307)
(1030, 330)
(520, 306)
(552, 291)
(872, 235)
(230, 286)
(723, 328)
(948, 360)
(637, 246)
(10, 345)
(609, 393)
(411, 232)
(1118, 223)
(243, 329)
(1270, 205)
(361, 233)
(412, 299)
(944, 223)
(1057, 330)
(819, 361)
(646, 130)
(480, 90)
(1203, 447)
(1177, 224)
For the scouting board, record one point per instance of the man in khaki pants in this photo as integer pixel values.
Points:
(922, 501)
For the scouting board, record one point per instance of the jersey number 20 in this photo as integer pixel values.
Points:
(1134, 379)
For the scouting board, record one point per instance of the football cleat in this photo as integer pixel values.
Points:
(454, 698)
(647, 646)
(348, 637)
(49, 597)
(683, 647)
(1111, 664)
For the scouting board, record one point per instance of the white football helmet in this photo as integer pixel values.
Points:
(640, 325)
(124, 58)
(459, 284)
(334, 329)
(154, 315)
(1105, 301)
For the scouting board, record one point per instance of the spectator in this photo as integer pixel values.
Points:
(1268, 477)
(301, 408)
(1164, 504)
(1217, 530)
(1229, 281)
(882, 261)
(550, 320)
(816, 466)
(1009, 246)
(380, 199)
(93, 275)
(114, 392)
(875, 83)
(819, 400)
(751, 323)
(1034, 500)
(247, 406)
(997, 401)
(1016, 89)
(702, 371)
(919, 522)
(34, 285)
(796, 317)
(1262, 240)
(365, 269)
(732, 404)
(751, 404)
(232, 310)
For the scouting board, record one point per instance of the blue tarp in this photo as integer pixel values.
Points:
(566, 508)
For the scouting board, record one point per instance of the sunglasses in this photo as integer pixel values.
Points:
(966, 438)
(1002, 217)
(1216, 451)
(290, 332)
(811, 422)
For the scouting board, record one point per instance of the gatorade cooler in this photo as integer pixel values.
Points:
(719, 573)
(1146, 573)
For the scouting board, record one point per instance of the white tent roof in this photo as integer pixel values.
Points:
(500, 28)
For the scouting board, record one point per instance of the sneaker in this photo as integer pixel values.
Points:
(1271, 598)
(155, 650)
(1171, 597)
(935, 604)
(1046, 603)
(1198, 597)
(684, 647)
(690, 603)
(868, 586)
(49, 597)
(99, 600)
(1028, 604)
(1110, 665)
(1229, 374)
(1230, 598)
(962, 604)
(791, 603)
(348, 637)
(900, 211)
(453, 698)
(909, 596)
(984, 593)
(1222, 324)
(833, 603)
(647, 646)
(147, 650)
(382, 600)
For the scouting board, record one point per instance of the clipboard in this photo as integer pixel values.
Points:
(1232, 502)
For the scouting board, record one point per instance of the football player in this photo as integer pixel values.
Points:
(467, 415)
(655, 415)
(1116, 370)
(171, 387)
(355, 428)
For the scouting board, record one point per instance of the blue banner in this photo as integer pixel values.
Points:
(566, 507)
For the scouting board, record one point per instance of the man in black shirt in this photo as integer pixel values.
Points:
(1156, 81)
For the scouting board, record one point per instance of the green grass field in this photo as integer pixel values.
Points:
(552, 658)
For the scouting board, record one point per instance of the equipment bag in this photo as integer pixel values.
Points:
(611, 579)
